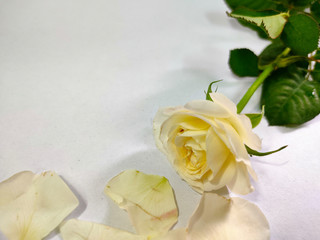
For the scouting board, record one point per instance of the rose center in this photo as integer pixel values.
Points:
(195, 161)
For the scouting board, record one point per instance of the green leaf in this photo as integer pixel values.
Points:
(261, 33)
(300, 3)
(243, 62)
(315, 10)
(252, 4)
(316, 73)
(271, 21)
(260, 154)
(255, 118)
(301, 34)
(208, 97)
(270, 53)
(258, 5)
(290, 98)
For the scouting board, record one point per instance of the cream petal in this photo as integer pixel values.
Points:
(15, 186)
(31, 206)
(161, 116)
(173, 150)
(240, 122)
(82, 230)
(178, 158)
(223, 102)
(242, 125)
(149, 200)
(175, 125)
(224, 175)
(193, 122)
(199, 137)
(208, 108)
(233, 141)
(180, 141)
(217, 151)
(219, 218)
(194, 133)
(190, 164)
(169, 129)
(194, 181)
(240, 184)
(182, 120)
(192, 144)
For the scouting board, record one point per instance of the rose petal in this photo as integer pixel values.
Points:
(232, 140)
(208, 108)
(224, 175)
(227, 219)
(240, 184)
(31, 206)
(162, 115)
(241, 123)
(82, 230)
(217, 151)
(249, 137)
(198, 136)
(182, 120)
(223, 102)
(192, 121)
(149, 200)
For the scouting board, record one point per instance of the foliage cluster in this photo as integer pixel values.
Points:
(289, 67)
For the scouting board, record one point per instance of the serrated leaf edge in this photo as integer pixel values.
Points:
(262, 23)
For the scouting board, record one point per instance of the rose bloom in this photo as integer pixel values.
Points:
(205, 142)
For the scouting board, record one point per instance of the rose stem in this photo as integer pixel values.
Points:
(266, 72)
(245, 99)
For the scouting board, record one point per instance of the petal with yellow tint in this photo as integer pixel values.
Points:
(208, 108)
(217, 151)
(227, 219)
(31, 205)
(223, 102)
(249, 137)
(162, 115)
(241, 184)
(232, 140)
(82, 230)
(148, 199)
(224, 175)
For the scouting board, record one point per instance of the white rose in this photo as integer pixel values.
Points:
(205, 142)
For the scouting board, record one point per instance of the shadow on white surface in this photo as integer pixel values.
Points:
(309, 124)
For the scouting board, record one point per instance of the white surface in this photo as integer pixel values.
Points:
(80, 82)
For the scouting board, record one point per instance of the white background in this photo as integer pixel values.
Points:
(80, 82)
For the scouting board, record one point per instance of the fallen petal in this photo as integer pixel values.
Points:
(219, 218)
(31, 205)
(149, 200)
(82, 230)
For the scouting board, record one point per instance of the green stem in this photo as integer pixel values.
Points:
(266, 72)
(285, 52)
(245, 99)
